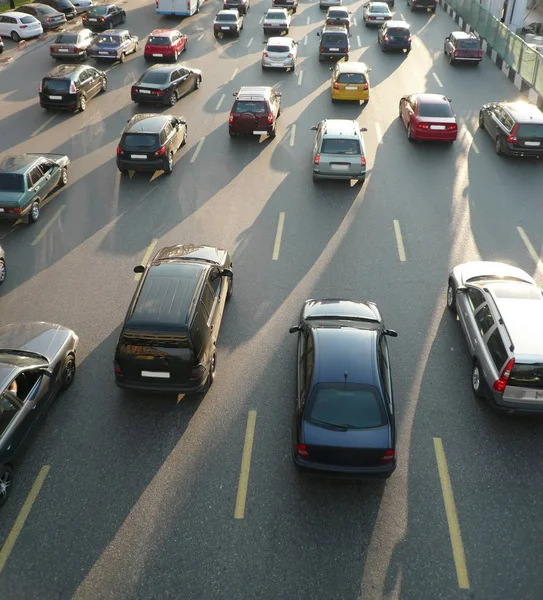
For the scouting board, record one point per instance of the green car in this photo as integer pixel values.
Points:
(25, 182)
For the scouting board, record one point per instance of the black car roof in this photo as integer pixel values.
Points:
(147, 123)
(162, 69)
(335, 29)
(65, 71)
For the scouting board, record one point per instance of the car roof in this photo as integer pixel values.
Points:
(346, 127)
(253, 93)
(491, 269)
(352, 67)
(15, 14)
(228, 11)
(338, 9)
(162, 68)
(65, 71)
(19, 163)
(335, 29)
(341, 350)
(380, 4)
(464, 35)
(523, 111)
(279, 40)
(278, 9)
(163, 32)
(113, 31)
(146, 123)
(431, 98)
(402, 24)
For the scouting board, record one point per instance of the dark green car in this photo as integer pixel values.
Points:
(25, 182)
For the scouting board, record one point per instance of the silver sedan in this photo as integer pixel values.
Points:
(280, 53)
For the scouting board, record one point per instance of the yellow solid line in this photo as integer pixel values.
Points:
(278, 235)
(146, 258)
(43, 125)
(528, 245)
(243, 484)
(452, 517)
(42, 233)
(399, 240)
(23, 515)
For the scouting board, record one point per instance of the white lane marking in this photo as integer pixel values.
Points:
(532, 251)
(234, 74)
(43, 125)
(278, 235)
(300, 77)
(358, 40)
(200, 37)
(399, 240)
(51, 222)
(403, 18)
(379, 133)
(250, 42)
(305, 40)
(354, 21)
(220, 102)
(198, 148)
(470, 140)
(308, 20)
(261, 19)
(146, 257)
(437, 80)
(292, 134)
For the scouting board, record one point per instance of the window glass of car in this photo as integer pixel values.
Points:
(430, 109)
(355, 406)
(226, 17)
(67, 38)
(166, 131)
(98, 10)
(250, 106)
(8, 410)
(215, 280)
(174, 75)
(497, 349)
(274, 48)
(476, 297)
(159, 41)
(140, 140)
(351, 78)
(208, 299)
(340, 146)
(46, 166)
(154, 78)
(275, 15)
(64, 4)
(334, 38)
(310, 362)
(484, 319)
(530, 130)
(397, 31)
(11, 182)
(35, 175)
(384, 368)
(28, 19)
(378, 9)
(469, 44)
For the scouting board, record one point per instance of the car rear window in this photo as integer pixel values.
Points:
(97, 10)
(435, 110)
(379, 9)
(468, 44)
(141, 140)
(66, 38)
(155, 78)
(398, 32)
(527, 376)
(278, 49)
(11, 182)
(351, 78)
(338, 14)
(340, 146)
(340, 39)
(149, 345)
(28, 19)
(351, 405)
(530, 130)
(56, 85)
(159, 41)
(226, 18)
(275, 15)
(250, 106)
(64, 4)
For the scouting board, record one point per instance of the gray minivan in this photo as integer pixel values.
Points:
(338, 150)
(500, 309)
(168, 339)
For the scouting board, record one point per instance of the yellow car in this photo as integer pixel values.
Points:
(350, 81)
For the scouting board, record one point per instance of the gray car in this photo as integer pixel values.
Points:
(37, 361)
(338, 150)
(2, 265)
(280, 53)
(500, 309)
(46, 15)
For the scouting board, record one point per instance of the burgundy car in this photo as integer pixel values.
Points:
(255, 112)
(428, 117)
(165, 43)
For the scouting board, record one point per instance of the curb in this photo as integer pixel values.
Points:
(521, 84)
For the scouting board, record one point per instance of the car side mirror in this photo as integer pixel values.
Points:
(235, 94)
(139, 269)
(461, 289)
(318, 34)
(449, 99)
(369, 70)
(47, 372)
(363, 129)
(330, 68)
(314, 128)
(227, 273)
(391, 333)
(294, 329)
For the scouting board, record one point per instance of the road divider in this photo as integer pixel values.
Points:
(438, 80)
(146, 257)
(278, 236)
(23, 516)
(305, 40)
(300, 77)
(292, 135)
(354, 21)
(452, 516)
(531, 250)
(358, 41)
(198, 148)
(243, 484)
(48, 226)
(399, 240)
(221, 100)
(308, 20)
(471, 141)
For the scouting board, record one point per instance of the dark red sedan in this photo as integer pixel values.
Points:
(428, 117)
(165, 43)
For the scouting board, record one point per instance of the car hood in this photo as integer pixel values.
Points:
(489, 269)
(44, 338)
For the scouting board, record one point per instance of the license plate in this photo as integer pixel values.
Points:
(532, 143)
(55, 97)
(139, 156)
(145, 91)
(334, 49)
(159, 374)
(158, 54)
(379, 18)
(63, 50)
(440, 127)
(226, 28)
(260, 132)
(351, 87)
(92, 19)
(103, 53)
(339, 167)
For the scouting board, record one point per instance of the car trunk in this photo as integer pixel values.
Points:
(525, 384)
(159, 47)
(351, 85)
(140, 146)
(340, 157)
(529, 136)
(437, 123)
(250, 116)
(58, 90)
(334, 43)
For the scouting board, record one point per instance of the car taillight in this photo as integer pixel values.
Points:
(49, 19)
(134, 89)
(363, 161)
(270, 118)
(161, 151)
(480, 53)
(73, 89)
(321, 49)
(423, 126)
(117, 368)
(290, 56)
(119, 150)
(343, 49)
(366, 87)
(301, 450)
(499, 384)
(386, 38)
(452, 127)
(23, 26)
(39, 87)
(157, 92)
(231, 118)
(317, 159)
(370, 18)
(336, 85)
(76, 49)
(409, 40)
(13, 211)
(51, 49)
(265, 55)
(197, 372)
(388, 455)
(512, 137)
(101, 19)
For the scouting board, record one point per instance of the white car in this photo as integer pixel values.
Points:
(376, 13)
(276, 19)
(19, 26)
(280, 53)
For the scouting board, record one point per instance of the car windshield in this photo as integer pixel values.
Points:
(249, 106)
(432, 109)
(351, 78)
(278, 49)
(339, 39)
(56, 85)
(398, 32)
(340, 146)
(159, 41)
(109, 39)
(140, 140)
(155, 78)
(530, 130)
(97, 11)
(225, 18)
(354, 406)
(379, 9)
(28, 19)
(11, 182)
(66, 38)
(468, 44)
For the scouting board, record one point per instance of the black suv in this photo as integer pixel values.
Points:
(515, 127)
(149, 142)
(71, 86)
(394, 35)
(460, 46)
(255, 111)
(168, 340)
(334, 42)
(63, 6)
(428, 5)
(242, 6)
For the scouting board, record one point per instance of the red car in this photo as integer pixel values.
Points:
(428, 117)
(165, 43)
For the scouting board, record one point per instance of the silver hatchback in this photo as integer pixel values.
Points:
(280, 53)
(500, 309)
(338, 151)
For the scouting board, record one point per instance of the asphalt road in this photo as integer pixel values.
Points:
(139, 500)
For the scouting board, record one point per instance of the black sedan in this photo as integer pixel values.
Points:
(37, 361)
(344, 415)
(103, 17)
(165, 84)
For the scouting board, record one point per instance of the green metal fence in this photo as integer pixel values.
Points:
(513, 49)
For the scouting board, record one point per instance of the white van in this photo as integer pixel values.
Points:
(182, 8)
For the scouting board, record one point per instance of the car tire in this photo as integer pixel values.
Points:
(409, 134)
(477, 382)
(168, 166)
(444, 49)
(197, 83)
(15, 37)
(68, 374)
(451, 60)
(481, 120)
(264, 68)
(6, 483)
(273, 132)
(34, 212)
(315, 179)
(82, 103)
(122, 58)
(498, 146)
(3, 270)
(334, 100)
(451, 296)
(212, 371)
(346, 58)
(123, 18)
(231, 133)
(172, 99)
(63, 177)
(103, 90)
(184, 140)
(175, 56)
(230, 287)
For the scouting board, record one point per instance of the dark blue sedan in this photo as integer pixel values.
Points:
(344, 414)
(114, 44)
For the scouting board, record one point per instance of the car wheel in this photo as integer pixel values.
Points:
(15, 36)
(34, 213)
(168, 167)
(444, 49)
(273, 132)
(451, 296)
(230, 288)
(6, 481)
(197, 83)
(481, 120)
(68, 374)
(123, 18)
(451, 59)
(82, 103)
(315, 179)
(184, 140)
(172, 99)
(498, 146)
(64, 177)
(2, 270)
(231, 133)
(409, 134)
(104, 86)
(175, 56)
(122, 58)
(334, 100)
(212, 370)
(477, 384)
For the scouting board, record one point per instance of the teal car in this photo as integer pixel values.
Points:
(25, 182)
